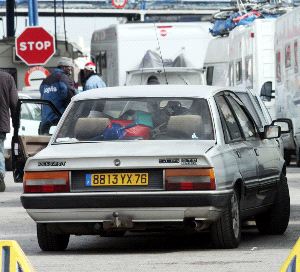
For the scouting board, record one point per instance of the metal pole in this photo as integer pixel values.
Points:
(10, 18)
(35, 12)
(30, 12)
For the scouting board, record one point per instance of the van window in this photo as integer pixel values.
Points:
(278, 66)
(231, 75)
(249, 72)
(209, 75)
(287, 56)
(238, 72)
(296, 56)
(101, 62)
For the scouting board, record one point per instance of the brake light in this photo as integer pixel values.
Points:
(190, 179)
(46, 182)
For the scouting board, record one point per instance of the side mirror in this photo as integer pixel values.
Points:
(266, 91)
(52, 130)
(271, 132)
(285, 124)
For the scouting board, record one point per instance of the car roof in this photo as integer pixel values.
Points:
(200, 91)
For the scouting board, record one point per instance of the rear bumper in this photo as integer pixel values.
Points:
(140, 207)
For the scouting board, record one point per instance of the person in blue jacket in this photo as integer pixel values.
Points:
(59, 89)
(92, 80)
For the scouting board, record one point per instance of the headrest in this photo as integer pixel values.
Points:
(88, 128)
(187, 125)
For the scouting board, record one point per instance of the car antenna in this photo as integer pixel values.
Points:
(162, 61)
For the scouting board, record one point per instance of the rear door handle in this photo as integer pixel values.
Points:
(256, 152)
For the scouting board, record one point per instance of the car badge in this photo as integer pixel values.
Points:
(117, 162)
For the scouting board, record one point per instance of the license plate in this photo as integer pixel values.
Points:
(116, 179)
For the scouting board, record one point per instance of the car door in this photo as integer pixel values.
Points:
(27, 139)
(243, 152)
(266, 151)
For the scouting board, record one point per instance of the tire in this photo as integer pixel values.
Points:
(2, 185)
(49, 241)
(287, 158)
(8, 164)
(226, 231)
(297, 156)
(276, 220)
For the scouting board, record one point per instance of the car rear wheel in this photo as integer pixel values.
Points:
(49, 241)
(226, 231)
(276, 220)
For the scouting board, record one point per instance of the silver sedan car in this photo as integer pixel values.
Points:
(156, 157)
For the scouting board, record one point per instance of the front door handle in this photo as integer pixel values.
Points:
(238, 154)
(256, 152)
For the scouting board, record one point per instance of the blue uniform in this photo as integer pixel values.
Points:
(94, 82)
(58, 89)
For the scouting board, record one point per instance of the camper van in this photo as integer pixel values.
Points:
(245, 58)
(122, 51)
(287, 86)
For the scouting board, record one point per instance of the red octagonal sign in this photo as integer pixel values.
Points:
(35, 45)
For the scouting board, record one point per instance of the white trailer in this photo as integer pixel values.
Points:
(287, 46)
(119, 49)
(245, 58)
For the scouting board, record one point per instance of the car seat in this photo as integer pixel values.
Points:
(90, 128)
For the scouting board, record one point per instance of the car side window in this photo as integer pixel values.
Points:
(245, 122)
(251, 107)
(230, 126)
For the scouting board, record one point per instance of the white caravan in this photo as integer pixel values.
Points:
(118, 50)
(245, 58)
(287, 46)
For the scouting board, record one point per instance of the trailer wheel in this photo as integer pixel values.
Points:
(49, 241)
(276, 220)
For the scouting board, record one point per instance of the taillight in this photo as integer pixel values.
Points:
(190, 179)
(46, 182)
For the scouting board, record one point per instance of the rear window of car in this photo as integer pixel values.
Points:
(137, 119)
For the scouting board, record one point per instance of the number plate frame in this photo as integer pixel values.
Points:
(117, 179)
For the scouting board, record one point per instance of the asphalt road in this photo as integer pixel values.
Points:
(151, 251)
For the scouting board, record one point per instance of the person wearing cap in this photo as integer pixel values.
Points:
(59, 89)
(92, 80)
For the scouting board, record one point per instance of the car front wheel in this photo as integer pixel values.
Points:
(49, 241)
(226, 231)
(276, 220)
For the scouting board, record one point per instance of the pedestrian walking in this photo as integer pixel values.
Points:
(8, 106)
(92, 80)
(58, 87)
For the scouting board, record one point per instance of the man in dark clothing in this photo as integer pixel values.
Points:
(8, 103)
(59, 89)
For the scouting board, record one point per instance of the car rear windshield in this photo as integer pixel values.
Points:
(137, 119)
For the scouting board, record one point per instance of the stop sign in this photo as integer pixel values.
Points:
(35, 45)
